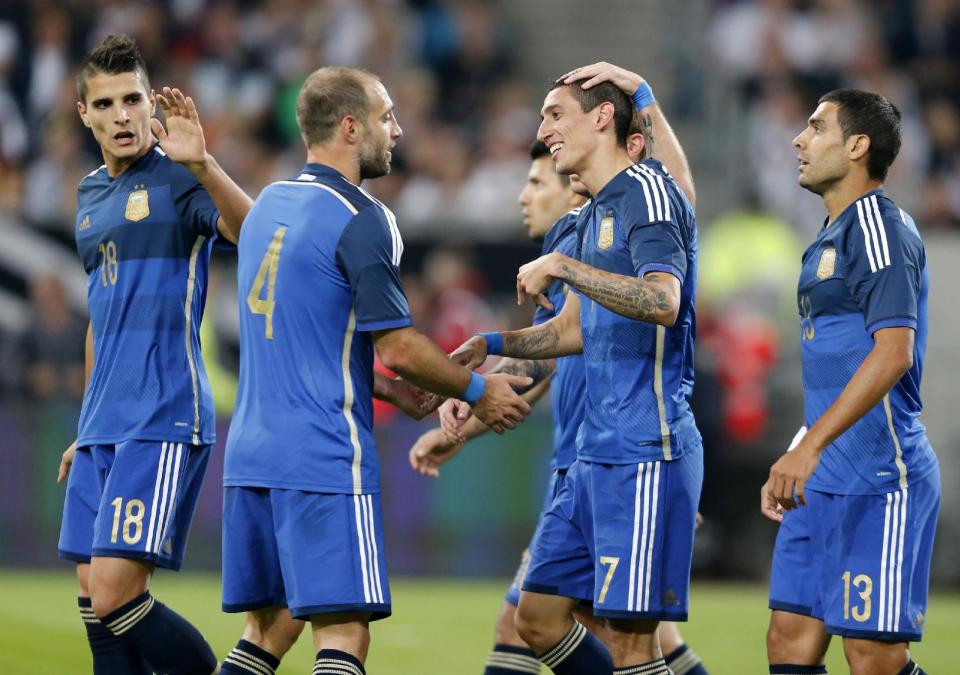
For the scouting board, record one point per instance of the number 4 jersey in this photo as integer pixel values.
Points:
(318, 271)
(144, 238)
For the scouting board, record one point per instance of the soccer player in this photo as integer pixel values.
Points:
(320, 289)
(550, 205)
(545, 195)
(858, 495)
(146, 221)
(620, 531)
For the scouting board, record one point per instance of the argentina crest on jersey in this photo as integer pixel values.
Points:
(605, 233)
(827, 264)
(138, 205)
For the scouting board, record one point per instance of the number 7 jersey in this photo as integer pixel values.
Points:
(318, 271)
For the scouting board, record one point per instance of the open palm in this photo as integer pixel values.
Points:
(182, 139)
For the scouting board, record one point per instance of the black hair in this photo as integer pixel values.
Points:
(605, 92)
(863, 112)
(116, 54)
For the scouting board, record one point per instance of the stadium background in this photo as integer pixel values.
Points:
(737, 80)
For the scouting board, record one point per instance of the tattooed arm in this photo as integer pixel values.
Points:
(654, 298)
(559, 336)
(539, 370)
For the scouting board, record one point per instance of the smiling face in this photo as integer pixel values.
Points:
(117, 108)
(381, 132)
(543, 199)
(566, 130)
(825, 156)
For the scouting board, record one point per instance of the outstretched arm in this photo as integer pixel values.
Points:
(661, 141)
(183, 142)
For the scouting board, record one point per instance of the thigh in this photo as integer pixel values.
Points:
(644, 518)
(878, 563)
(252, 578)
(81, 502)
(560, 558)
(148, 501)
(332, 555)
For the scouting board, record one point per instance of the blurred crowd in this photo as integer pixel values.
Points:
(448, 65)
(778, 56)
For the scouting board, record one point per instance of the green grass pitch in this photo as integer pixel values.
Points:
(438, 627)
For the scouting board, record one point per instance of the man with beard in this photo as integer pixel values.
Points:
(319, 289)
(857, 497)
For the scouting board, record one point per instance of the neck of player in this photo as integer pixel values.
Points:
(602, 166)
(846, 192)
(346, 163)
(117, 165)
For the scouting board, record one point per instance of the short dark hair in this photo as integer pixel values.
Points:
(863, 112)
(117, 53)
(605, 92)
(540, 150)
(328, 95)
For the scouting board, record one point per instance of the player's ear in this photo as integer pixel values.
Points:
(152, 98)
(635, 143)
(350, 128)
(82, 111)
(858, 146)
(604, 115)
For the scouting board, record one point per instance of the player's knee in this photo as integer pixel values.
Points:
(780, 642)
(870, 657)
(535, 629)
(506, 628)
(83, 579)
(273, 630)
(108, 600)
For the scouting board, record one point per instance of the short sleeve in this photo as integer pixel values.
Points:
(883, 268)
(196, 208)
(368, 254)
(654, 237)
(657, 247)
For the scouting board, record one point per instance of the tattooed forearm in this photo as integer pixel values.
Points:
(538, 370)
(640, 299)
(532, 343)
(646, 127)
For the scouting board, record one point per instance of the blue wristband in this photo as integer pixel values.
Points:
(494, 342)
(475, 389)
(643, 96)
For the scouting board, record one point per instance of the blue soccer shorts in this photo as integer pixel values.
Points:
(314, 553)
(859, 563)
(557, 479)
(134, 499)
(621, 536)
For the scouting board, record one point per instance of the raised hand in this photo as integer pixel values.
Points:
(625, 80)
(182, 139)
(432, 449)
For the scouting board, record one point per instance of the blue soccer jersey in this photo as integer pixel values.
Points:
(144, 238)
(639, 376)
(568, 381)
(866, 271)
(318, 271)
